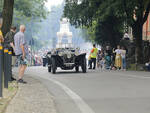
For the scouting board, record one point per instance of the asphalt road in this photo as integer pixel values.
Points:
(97, 91)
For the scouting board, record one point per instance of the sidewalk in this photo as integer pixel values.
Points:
(32, 97)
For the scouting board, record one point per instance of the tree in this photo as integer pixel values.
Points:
(101, 27)
(31, 13)
(7, 15)
(109, 30)
(81, 13)
(135, 12)
(1, 6)
(21, 12)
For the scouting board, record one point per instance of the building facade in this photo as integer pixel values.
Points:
(146, 29)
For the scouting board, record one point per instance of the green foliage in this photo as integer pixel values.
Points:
(30, 13)
(27, 10)
(110, 16)
(1, 5)
(31, 8)
(109, 31)
(80, 13)
(103, 24)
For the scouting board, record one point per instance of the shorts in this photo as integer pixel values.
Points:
(13, 60)
(21, 61)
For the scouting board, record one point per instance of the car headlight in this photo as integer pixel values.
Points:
(49, 55)
(76, 52)
(60, 54)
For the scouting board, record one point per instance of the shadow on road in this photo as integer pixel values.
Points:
(68, 72)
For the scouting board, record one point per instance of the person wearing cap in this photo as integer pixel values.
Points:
(93, 54)
(9, 43)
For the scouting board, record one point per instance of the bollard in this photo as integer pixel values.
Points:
(6, 72)
(9, 65)
(1, 71)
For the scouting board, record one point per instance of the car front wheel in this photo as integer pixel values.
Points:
(84, 65)
(49, 68)
(53, 66)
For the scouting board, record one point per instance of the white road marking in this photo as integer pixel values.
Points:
(76, 98)
(83, 107)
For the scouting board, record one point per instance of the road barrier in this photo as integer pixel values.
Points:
(1, 70)
(5, 68)
(9, 65)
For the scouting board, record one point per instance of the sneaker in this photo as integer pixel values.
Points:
(13, 79)
(21, 81)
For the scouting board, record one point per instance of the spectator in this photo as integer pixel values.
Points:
(9, 43)
(21, 50)
(123, 56)
(147, 65)
(1, 34)
(102, 63)
(108, 60)
(118, 61)
(126, 36)
(93, 53)
(89, 60)
(98, 58)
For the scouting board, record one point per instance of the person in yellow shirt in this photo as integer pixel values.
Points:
(93, 55)
(1, 34)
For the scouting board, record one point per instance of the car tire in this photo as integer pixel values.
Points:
(84, 65)
(49, 69)
(77, 69)
(53, 66)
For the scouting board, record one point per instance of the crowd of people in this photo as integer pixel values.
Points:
(107, 58)
(36, 57)
(22, 55)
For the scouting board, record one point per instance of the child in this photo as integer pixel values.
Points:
(108, 61)
(102, 63)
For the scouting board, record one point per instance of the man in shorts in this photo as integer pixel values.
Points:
(21, 51)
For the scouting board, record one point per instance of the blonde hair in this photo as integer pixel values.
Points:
(22, 27)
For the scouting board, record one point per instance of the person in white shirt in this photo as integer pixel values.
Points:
(123, 56)
(118, 60)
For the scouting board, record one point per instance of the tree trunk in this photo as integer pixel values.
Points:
(138, 34)
(7, 15)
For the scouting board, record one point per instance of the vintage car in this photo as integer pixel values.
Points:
(66, 59)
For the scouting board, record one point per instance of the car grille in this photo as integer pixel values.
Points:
(68, 60)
